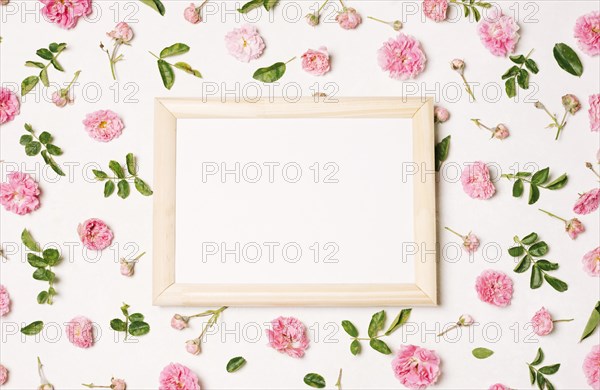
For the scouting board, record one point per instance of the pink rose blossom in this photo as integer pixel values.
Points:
(20, 194)
(435, 9)
(9, 105)
(4, 301)
(122, 32)
(591, 367)
(501, 132)
(176, 376)
(574, 227)
(348, 19)
(193, 346)
(126, 268)
(316, 62)
(3, 375)
(245, 43)
(402, 57)
(61, 100)
(416, 367)
(495, 288)
(95, 234)
(440, 114)
(80, 332)
(179, 322)
(591, 262)
(499, 386)
(118, 384)
(65, 13)
(587, 32)
(471, 243)
(191, 14)
(103, 125)
(594, 112)
(588, 202)
(498, 33)
(475, 179)
(288, 335)
(542, 322)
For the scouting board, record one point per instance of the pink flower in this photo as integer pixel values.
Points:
(176, 376)
(95, 234)
(65, 13)
(316, 62)
(288, 335)
(61, 100)
(591, 262)
(574, 227)
(475, 179)
(192, 14)
(117, 384)
(501, 132)
(4, 301)
(591, 367)
(3, 375)
(587, 32)
(103, 125)
(435, 9)
(20, 194)
(588, 202)
(126, 268)
(416, 367)
(495, 288)
(440, 114)
(179, 322)
(245, 43)
(542, 322)
(193, 346)
(594, 112)
(348, 19)
(402, 57)
(571, 103)
(499, 33)
(122, 32)
(9, 105)
(499, 386)
(471, 243)
(80, 332)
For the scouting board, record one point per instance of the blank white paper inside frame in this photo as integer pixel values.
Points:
(293, 201)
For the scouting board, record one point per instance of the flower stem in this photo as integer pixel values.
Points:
(569, 320)
(479, 124)
(321, 7)
(139, 256)
(93, 386)
(338, 384)
(343, 5)
(448, 330)
(290, 60)
(553, 215)
(452, 231)
(378, 20)
(467, 87)
(75, 77)
(561, 125)
(591, 168)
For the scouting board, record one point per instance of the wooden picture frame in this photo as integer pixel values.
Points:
(166, 292)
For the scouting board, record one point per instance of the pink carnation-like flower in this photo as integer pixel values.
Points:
(591, 262)
(416, 367)
(245, 43)
(122, 32)
(9, 105)
(402, 57)
(103, 125)
(495, 288)
(80, 332)
(20, 194)
(591, 367)
(118, 384)
(348, 19)
(65, 13)
(587, 32)
(574, 227)
(288, 335)
(594, 112)
(435, 9)
(95, 234)
(3, 375)
(588, 202)
(176, 376)
(316, 61)
(4, 301)
(542, 322)
(498, 33)
(499, 386)
(475, 179)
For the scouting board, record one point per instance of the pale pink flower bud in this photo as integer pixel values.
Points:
(3, 375)
(127, 267)
(466, 320)
(179, 322)
(60, 99)
(574, 227)
(192, 14)
(471, 243)
(122, 32)
(348, 19)
(501, 132)
(539, 105)
(312, 19)
(397, 25)
(193, 346)
(457, 65)
(440, 114)
(571, 103)
(118, 384)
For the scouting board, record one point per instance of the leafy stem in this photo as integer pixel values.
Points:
(122, 179)
(50, 54)
(133, 325)
(375, 327)
(519, 73)
(34, 145)
(470, 6)
(537, 180)
(42, 261)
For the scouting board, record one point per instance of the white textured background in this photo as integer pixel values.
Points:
(93, 287)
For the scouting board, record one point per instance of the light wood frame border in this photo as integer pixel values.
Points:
(166, 292)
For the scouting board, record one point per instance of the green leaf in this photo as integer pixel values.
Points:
(482, 353)
(532, 375)
(130, 162)
(43, 275)
(539, 357)
(28, 84)
(44, 77)
(534, 194)
(541, 176)
(174, 50)
(270, 4)
(54, 150)
(545, 265)
(314, 380)
(376, 324)
(529, 239)
(36, 261)
(511, 72)
(476, 14)
(350, 328)
(235, 364)
(166, 74)
(118, 325)
(139, 328)
(142, 187)
(536, 278)
(187, 68)
(523, 265)
(532, 66)
(518, 59)
(355, 347)
(42, 297)
(53, 47)
(380, 346)
(567, 59)
(549, 370)
(109, 188)
(136, 317)
(117, 169)
(516, 251)
(156, 5)
(45, 137)
(541, 381)
(523, 79)
(556, 283)
(29, 242)
(100, 175)
(57, 65)
(35, 64)
(125, 309)
(549, 385)
(123, 189)
(271, 73)
(539, 249)
(558, 183)
(510, 87)
(400, 320)
(592, 323)
(33, 328)
(25, 139)
(441, 152)
(45, 54)
(52, 256)
(33, 148)
(517, 190)
(249, 6)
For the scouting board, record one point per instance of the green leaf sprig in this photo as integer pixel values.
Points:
(50, 54)
(33, 145)
(43, 266)
(532, 251)
(272, 73)
(134, 323)
(567, 59)
(167, 74)
(518, 74)
(539, 374)
(122, 179)
(441, 152)
(537, 180)
(32, 329)
(470, 6)
(592, 323)
(253, 4)
(156, 5)
(375, 326)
